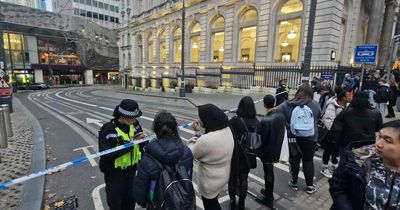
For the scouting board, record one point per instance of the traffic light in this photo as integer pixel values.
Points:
(113, 78)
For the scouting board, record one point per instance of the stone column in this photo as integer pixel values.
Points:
(38, 73)
(375, 22)
(229, 45)
(386, 35)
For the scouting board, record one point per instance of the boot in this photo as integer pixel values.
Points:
(241, 205)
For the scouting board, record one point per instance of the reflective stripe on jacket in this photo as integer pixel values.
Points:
(130, 158)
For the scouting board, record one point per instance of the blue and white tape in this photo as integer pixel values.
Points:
(7, 184)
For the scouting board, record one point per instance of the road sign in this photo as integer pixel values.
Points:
(5, 89)
(1, 65)
(365, 54)
(327, 76)
(2, 73)
(3, 83)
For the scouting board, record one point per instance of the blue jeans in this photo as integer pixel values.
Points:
(381, 107)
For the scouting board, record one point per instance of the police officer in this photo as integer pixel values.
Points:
(119, 167)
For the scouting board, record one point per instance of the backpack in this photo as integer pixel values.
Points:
(251, 141)
(302, 121)
(173, 189)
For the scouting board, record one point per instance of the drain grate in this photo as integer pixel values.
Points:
(70, 203)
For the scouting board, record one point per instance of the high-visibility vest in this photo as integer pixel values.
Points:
(131, 158)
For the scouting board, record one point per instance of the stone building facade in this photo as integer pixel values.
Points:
(242, 33)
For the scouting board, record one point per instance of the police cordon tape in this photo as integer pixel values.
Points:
(7, 184)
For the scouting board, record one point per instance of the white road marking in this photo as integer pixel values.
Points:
(67, 99)
(98, 205)
(94, 121)
(87, 153)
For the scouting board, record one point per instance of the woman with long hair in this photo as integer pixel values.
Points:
(241, 163)
(303, 97)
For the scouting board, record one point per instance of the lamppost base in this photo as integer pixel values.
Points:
(182, 92)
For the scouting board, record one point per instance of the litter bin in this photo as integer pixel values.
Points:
(7, 100)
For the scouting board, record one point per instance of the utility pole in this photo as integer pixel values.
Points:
(182, 92)
(308, 51)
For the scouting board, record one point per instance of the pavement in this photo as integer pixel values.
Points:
(25, 154)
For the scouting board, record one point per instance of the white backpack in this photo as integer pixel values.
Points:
(302, 121)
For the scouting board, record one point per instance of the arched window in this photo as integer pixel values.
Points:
(195, 43)
(139, 49)
(177, 45)
(288, 31)
(162, 47)
(150, 45)
(128, 39)
(217, 40)
(247, 36)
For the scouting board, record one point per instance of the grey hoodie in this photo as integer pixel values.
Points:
(287, 107)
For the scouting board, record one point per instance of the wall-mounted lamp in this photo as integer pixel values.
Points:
(291, 34)
(333, 55)
(285, 43)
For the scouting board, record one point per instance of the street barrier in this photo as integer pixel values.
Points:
(7, 119)
(79, 161)
(3, 131)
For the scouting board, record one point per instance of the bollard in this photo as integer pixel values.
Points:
(7, 100)
(3, 132)
(7, 119)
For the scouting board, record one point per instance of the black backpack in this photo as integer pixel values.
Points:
(174, 189)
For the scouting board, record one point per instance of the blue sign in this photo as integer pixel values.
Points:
(327, 76)
(366, 54)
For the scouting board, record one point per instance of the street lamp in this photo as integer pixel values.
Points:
(182, 88)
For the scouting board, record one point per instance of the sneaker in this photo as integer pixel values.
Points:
(334, 167)
(326, 172)
(311, 189)
(292, 185)
(263, 192)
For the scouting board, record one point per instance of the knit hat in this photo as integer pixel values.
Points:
(212, 117)
(127, 108)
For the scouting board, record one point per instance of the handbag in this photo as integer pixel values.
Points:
(322, 132)
(294, 148)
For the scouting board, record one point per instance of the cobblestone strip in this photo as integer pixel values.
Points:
(16, 159)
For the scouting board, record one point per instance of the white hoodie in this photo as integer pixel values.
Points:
(332, 109)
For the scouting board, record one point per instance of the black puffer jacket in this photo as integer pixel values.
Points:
(272, 131)
(166, 151)
(382, 94)
(352, 125)
(363, 182)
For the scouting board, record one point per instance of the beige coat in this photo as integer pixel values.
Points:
(214, 153)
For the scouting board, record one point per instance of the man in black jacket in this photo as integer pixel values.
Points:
(119, 167)
(272, 131)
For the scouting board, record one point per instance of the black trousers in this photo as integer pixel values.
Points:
(119, 190)
(390, 111)
(331, 150)
(269, 180)
(308, 149)
(211, 204)
(238, 180)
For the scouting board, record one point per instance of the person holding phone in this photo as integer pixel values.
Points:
(119, 167)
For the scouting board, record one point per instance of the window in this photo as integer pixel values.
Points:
(111, 8)
(116, 9)
(76, 1)
(288, 31)
(117, 20)
(106, 17)
(217, 40)
(89, 14)
(247, 36)
(95, 3)
(95, 15)
(140, 50)
(89, 2)
(82, 1)
(123, 60)
(150, 47)
(106, 6)
(83, 13)
(76, 11)
(101, 5)
(112, 19)
(101, 17)
(162, 48)
(177, 45)
(195, 43)
(129, 60)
